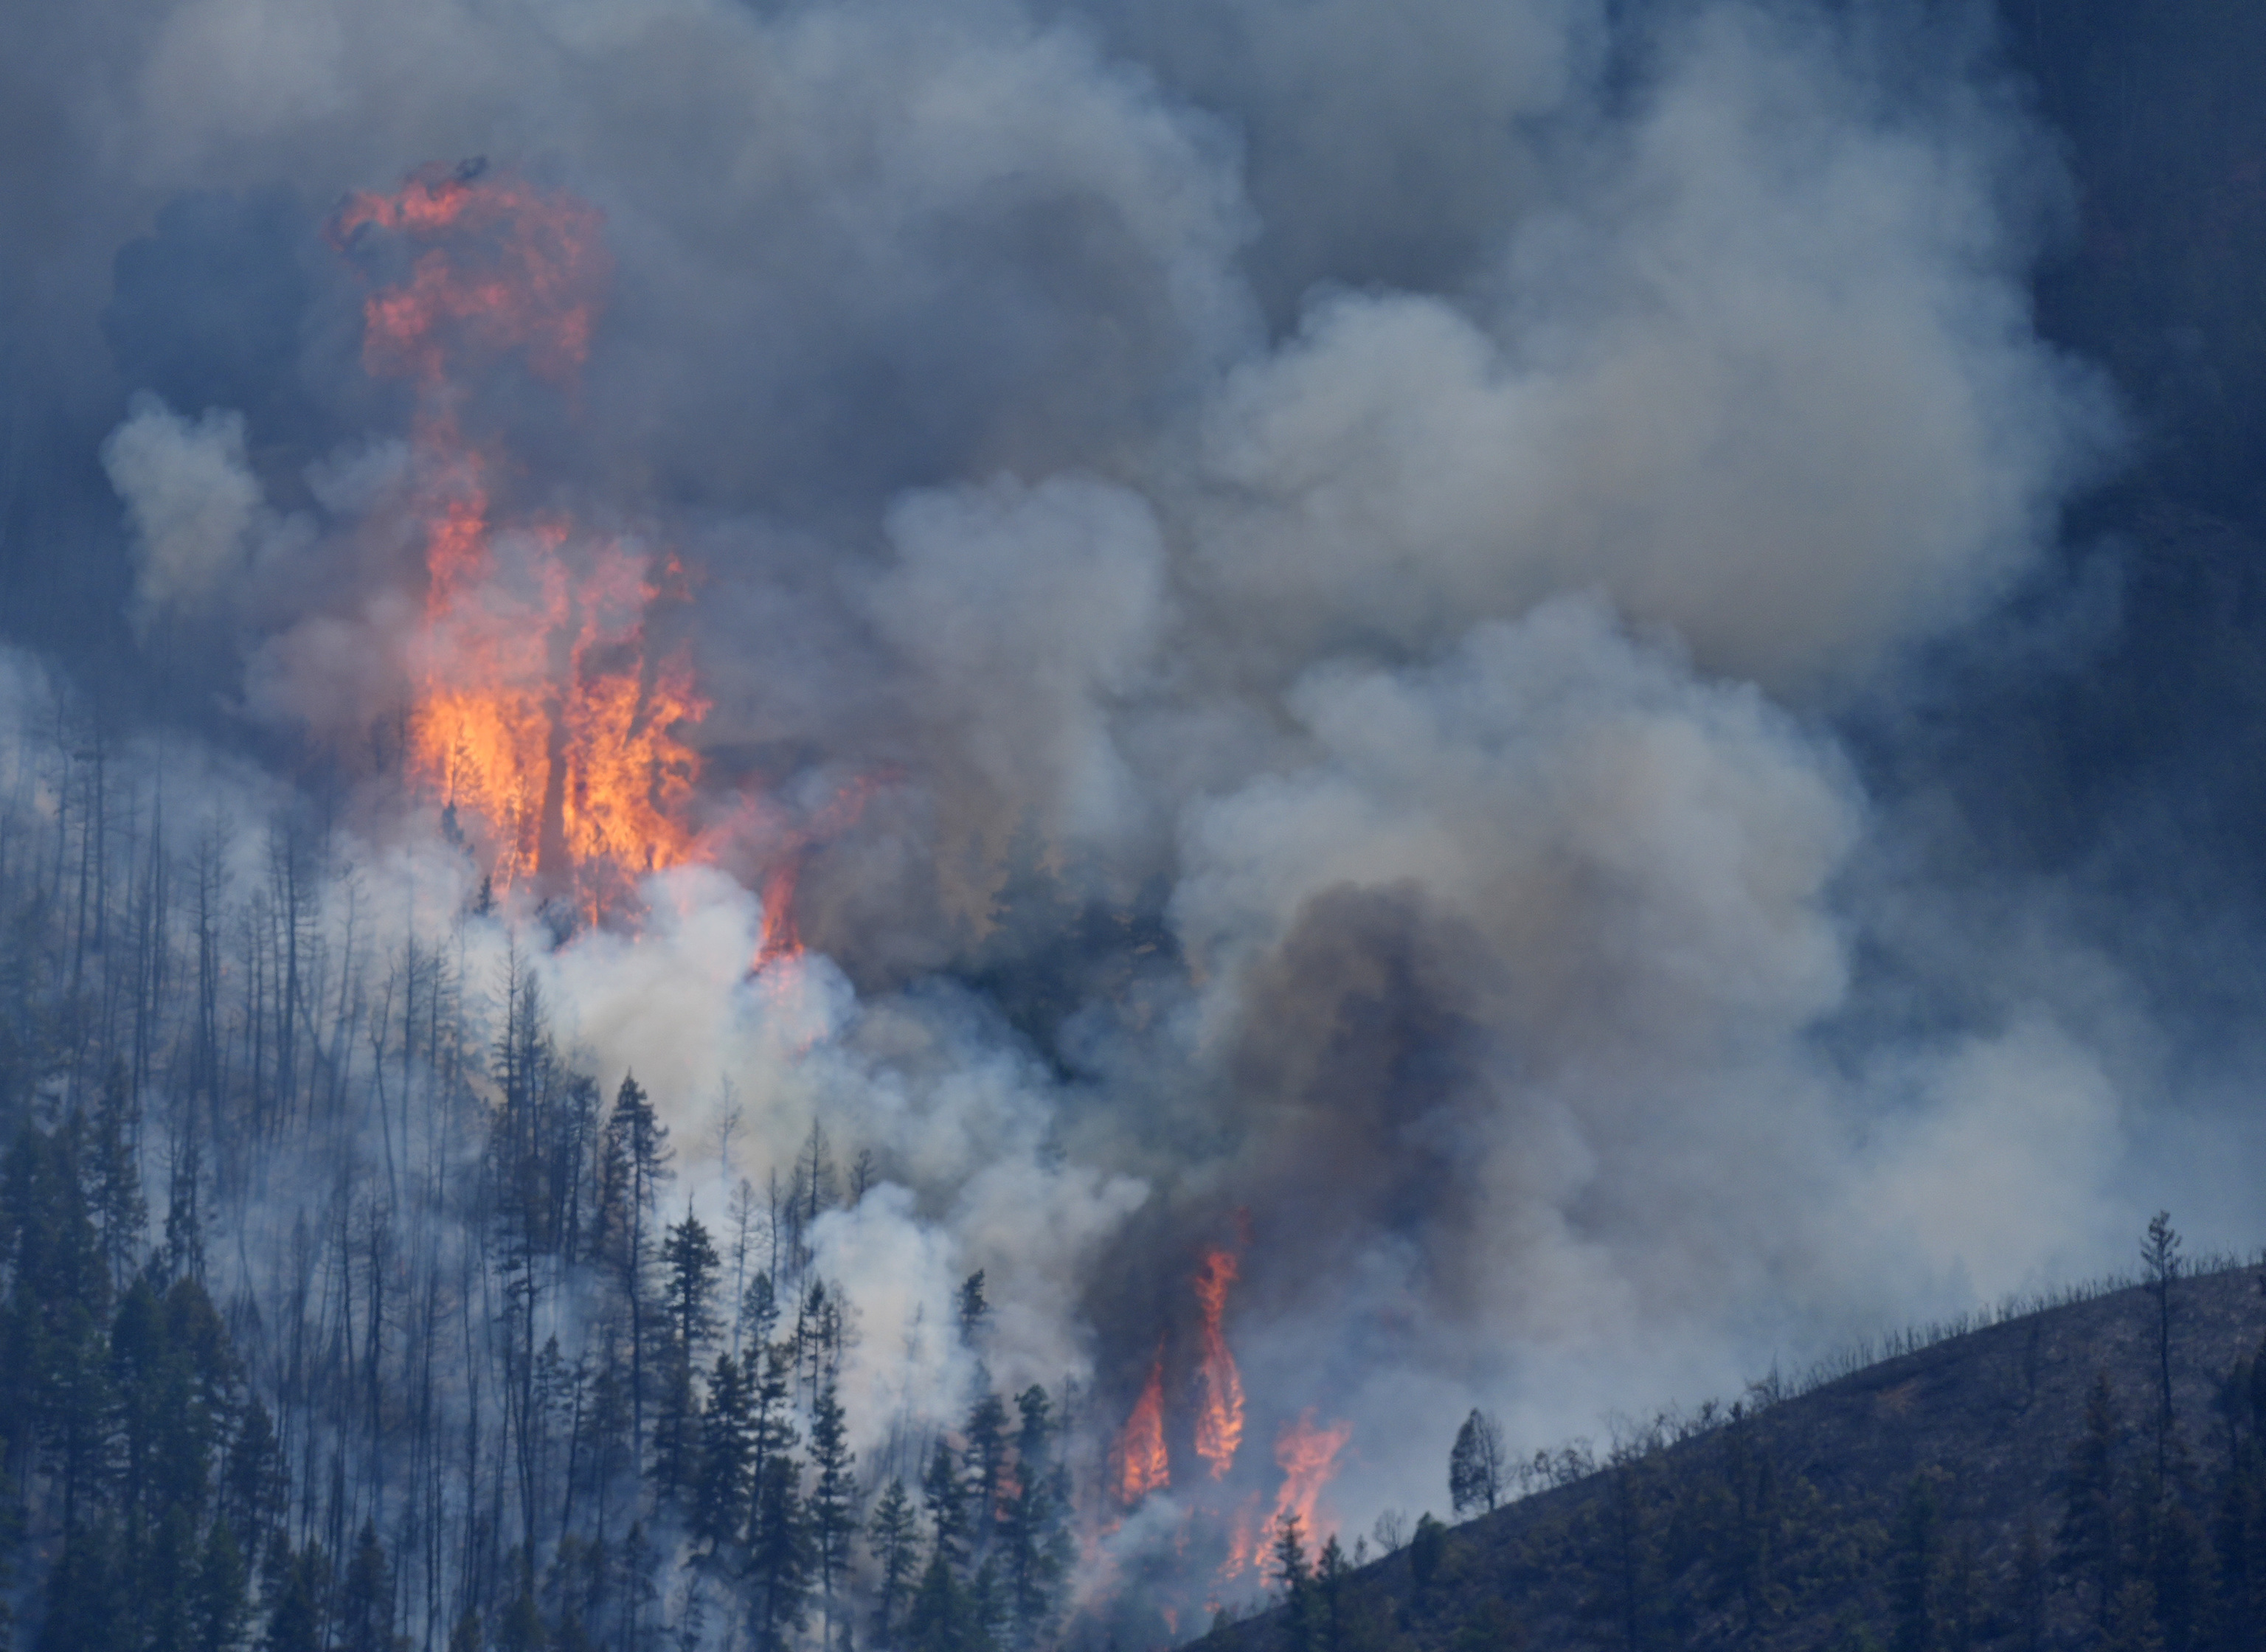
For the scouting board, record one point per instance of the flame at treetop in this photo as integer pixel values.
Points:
(1143, 1466)
(1308, 1456)
(1220, 1415)
(539, 720)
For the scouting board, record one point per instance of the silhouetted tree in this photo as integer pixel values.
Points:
(2160, 1258)
(1475, 1464)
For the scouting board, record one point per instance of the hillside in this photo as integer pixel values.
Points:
(1974, 1494)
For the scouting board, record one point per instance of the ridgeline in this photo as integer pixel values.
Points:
(2022, 1485)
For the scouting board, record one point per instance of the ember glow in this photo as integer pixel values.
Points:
(1143, 1466)
(1220, 1415)
(541, 721)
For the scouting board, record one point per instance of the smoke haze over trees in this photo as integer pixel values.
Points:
(1575, 677)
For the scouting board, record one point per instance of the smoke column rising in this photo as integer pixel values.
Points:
(1331, 556)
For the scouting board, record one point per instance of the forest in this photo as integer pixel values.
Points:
(345, 1309)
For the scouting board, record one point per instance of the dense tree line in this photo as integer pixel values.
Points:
(341, 1308)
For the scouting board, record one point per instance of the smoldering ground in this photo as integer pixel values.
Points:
(1341, 555)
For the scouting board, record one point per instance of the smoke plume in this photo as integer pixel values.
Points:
(1287, 603)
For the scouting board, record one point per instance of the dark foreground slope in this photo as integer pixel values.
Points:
(2000, 1489)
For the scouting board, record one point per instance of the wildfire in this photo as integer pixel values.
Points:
(1143, 1466)
(1220, 1415)
(781, 936)
(1308, 1456)
(1243, 1539)
(539, 720)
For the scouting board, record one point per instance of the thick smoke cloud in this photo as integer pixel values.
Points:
(1331, 544)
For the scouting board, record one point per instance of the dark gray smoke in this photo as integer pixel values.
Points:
(1398, 585)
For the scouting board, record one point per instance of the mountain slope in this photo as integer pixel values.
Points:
(1997, 1489)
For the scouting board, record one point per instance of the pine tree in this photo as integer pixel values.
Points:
(675, 1427)
(1332, 1609)
(726, 1444)
(86, 1602)
(163, 1586)
(222, 1604)
(251, 1487)
(759, 1312)
(778, 1553)
(974, 1309)
(1033, 1532)
(1295, 1579)
(946, 1499)
(941, 1618)
(771, 1424)
(295, 1621)
(2160, 1257)
(986, 1458)
(893, 1537)
(689, 1258)
(633, 1162)
(833, 1511)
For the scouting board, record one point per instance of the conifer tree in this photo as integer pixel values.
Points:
(294, 1619)
(833, 1511)
(941, 1618)
(1033, 1530)
(727, 1444)
(634, 1161)
(86, 1604)
(689, 1258)
(985, 1455)
(675, 1427)
(1332, 1610)
(946, 1499)
(252, 1489)
(974, 1308)
(771, 1424)
(1294, 1577)
(2160, 1258)
(893, 1537)
(221, 1604)
(779, 1552)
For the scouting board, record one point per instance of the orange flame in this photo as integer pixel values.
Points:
(781, 937)
(1243, 1539)
(1219, 1417)
(1308, 1456)
(539, 720)
(1143, 1466)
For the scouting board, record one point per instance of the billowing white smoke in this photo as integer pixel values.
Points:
(1448, 619)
